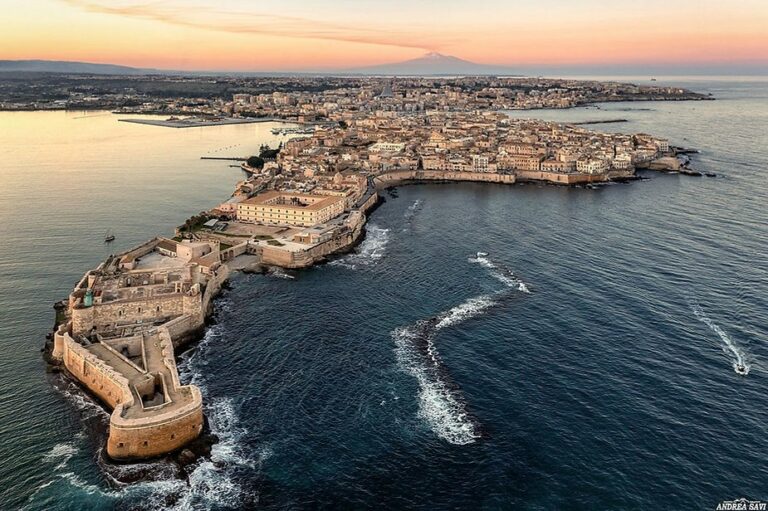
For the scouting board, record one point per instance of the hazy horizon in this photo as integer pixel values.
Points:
(588, 36)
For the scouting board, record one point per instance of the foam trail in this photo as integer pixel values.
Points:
(370, 250)
(410, 213)
(441, 405)
(280, 274)
(738, 355)
(60, 453)
(500, 273)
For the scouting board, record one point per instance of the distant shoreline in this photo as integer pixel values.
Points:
(199, 123)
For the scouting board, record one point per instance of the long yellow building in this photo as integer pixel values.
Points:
(280, 207)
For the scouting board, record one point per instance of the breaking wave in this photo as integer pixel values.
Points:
(280, 273)
(500, 273)
(441, 403)
(410, 213)
(739, 357)
(61, 454)
(370, 250)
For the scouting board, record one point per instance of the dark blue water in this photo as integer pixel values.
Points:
(586, 362)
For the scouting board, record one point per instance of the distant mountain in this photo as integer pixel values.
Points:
(433, 64)
(58, 66)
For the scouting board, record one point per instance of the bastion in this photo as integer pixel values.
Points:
(117, 332)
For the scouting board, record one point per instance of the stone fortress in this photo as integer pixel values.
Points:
(117, 332)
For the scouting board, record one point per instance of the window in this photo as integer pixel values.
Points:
(146, 443)
(120, 445)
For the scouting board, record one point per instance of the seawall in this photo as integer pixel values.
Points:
(137, 430)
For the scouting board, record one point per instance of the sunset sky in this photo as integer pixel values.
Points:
(271, 35)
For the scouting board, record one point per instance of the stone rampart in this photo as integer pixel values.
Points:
(405, 176)
(558, 178)
(149, 435)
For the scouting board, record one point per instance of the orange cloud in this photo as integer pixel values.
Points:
(262, 24)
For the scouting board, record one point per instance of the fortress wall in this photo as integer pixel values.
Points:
(99, 378)
(140, 250)
(164, 433)
(133, 344)
(372, 200)
(105, 316)
(402, 176)
(133, 438)
(212, 289)
(182, 325)
(235, 251)
(305, 258)
(557, 178)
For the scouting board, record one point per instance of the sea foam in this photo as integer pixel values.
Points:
(500, 273)
(738, 355)
(370, 250)
(441, 404)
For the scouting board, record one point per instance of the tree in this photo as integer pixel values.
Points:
(255, 162)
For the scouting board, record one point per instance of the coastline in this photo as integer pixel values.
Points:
(266, 255)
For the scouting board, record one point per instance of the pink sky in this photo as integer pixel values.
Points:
(324, 34)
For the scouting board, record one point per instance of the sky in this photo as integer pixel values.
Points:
(318, 35)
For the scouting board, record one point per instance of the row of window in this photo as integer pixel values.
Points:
(145, 443)
(121, 312)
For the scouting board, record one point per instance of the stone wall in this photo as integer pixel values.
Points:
(146, 437)
(155, 437)
(98, 377)
(163, 432)
(106, 315)
(557, 178)
(277, 256)
(403, 176)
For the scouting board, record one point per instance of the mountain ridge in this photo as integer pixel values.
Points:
(434, 64)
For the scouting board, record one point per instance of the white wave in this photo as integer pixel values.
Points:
(61, 453)
(225, 424)
(212, 483)
(410, 213)
(439, 406)
(280, 274)
(370, 250)
(468, 309)
(500, 273)
(739, 357)
(85, 404)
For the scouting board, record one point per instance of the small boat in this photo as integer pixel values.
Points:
(482, 254)
(109, 237)
(741, 369)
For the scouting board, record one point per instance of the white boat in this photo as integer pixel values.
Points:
(482, 254)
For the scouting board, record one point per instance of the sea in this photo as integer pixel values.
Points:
(485, 346)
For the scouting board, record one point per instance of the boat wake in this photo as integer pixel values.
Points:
(370, 250)
(739, 357)
(500, 273)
